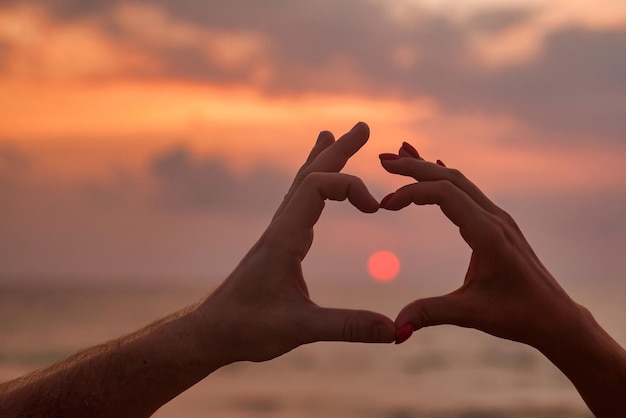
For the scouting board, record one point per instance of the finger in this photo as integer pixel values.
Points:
(335, 157)
(332, 324)
(427, 171)
(475, 223)
(404, 154)
(324, 140)
(408, 150)
(451, 309)
(328, 155)
(305, 208)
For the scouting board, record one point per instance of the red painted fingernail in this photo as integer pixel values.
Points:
(404, 333)
(387, 156)
(385, 200)
(439, 162)
(410, 149)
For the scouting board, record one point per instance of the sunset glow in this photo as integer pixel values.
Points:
(152, 109)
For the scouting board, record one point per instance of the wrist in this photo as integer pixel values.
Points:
(567, 326)
(581, 345)
(206, 337)
(593, 361)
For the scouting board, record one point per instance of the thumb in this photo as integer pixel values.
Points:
(450, 309)
(331, 324)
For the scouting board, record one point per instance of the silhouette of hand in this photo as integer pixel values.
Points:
(263, 309)
(507, 291)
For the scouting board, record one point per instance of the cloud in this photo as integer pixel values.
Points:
(14, 166)
(13, 160)
(189, 213)
(192, 216)
(188, 182)
(571, 90)
(187, 216)
(499, 20)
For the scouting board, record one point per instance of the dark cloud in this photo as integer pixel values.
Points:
(494, 21)
(188, 182)
(55, 229)
(575, 89)
(14, 167)
(12, 158)
(187, 216)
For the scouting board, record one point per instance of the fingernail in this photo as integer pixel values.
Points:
(387, 156)
(404, 333)
(410, 149)
(355, 126)
(385, 200)
(439, 162)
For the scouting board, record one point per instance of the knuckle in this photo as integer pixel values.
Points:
(423, 318)
(507, 218)
(500, 233)
(447, 186)
(351, 330)
(455, 174)
(497, 228)
(311, 179)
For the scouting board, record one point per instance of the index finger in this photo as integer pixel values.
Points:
(328, 155)
(306, 206)
(335, 157)
(427, 171)
(476, 224)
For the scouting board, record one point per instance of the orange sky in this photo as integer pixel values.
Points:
(65, 86)
(83, 101)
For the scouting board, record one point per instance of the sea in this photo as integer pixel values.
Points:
(441, 372)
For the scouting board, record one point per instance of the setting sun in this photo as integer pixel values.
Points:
(383, 265)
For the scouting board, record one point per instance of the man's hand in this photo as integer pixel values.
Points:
(263, 309)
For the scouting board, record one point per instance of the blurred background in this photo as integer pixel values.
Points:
(145, 145)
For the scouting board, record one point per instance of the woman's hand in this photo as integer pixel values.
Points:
(507, 292)
(263, 309)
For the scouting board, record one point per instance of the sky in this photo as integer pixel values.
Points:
(151, 141)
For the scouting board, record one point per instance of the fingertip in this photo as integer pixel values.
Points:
(325, 137)
(369, 206)
(362, 128)
(372, 209)
(385, 200)
(403, 333)
(409, 315)
(359, 196)
(388, 157)
(410, 149)
(384, 332)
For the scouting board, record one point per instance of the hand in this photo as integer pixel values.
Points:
(259, 312)
(263, 309)
(507, 291)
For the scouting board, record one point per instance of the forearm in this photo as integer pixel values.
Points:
(593, 361)
(130, 376)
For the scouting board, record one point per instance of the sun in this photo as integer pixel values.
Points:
(383, 265)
